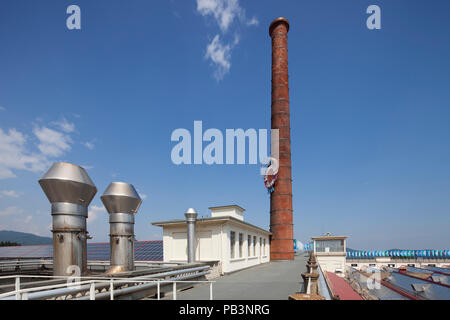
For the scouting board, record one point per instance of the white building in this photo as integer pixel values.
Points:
(330, 252)
(224, 237)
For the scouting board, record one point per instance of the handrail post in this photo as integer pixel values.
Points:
(158, 290)
(111, 289)
(174, 290)
(17, 287)
(92, 291)
(210, 291)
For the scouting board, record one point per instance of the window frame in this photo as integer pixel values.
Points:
(232, 244)
(241, 244)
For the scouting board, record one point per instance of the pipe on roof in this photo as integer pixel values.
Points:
(122, 202)
(191, 218)
(70, 190)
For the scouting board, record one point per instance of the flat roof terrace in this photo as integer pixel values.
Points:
(275, 280)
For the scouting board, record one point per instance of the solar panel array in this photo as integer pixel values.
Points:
(143, 251)
(98, 251)
(435, 254)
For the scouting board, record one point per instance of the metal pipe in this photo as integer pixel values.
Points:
(122, 202)
(133, 289)
(191, 218)
(84, 288)
(70, 191)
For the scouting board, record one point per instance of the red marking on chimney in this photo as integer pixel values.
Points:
(281, 226)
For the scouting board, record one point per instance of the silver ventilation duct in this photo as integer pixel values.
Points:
(70, 191)
(191, 218)
(122, 202)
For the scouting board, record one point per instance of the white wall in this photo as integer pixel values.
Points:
(207, 246)
(231, 264)
(213, 244)
(228, 212)
(331, 262)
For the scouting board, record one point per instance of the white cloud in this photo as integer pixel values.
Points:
(253, 22)
(94, 212)
(225, 12)
(28, 219)
(2, 108)
(14, 155)
(65, 126)
(52, 143)
(20, 152)
(89, 145)
(9, 193)
(6, 174)
(220, 56)
(10, 210)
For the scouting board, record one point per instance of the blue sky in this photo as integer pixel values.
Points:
(370, 111)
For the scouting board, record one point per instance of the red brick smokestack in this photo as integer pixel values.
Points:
(281, 226)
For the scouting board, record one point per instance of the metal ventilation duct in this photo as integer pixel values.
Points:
(122, 202)
(191, 218)
(70, 191)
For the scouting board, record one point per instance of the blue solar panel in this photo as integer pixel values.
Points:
(98, 251)
(148, 250)
(143, 251)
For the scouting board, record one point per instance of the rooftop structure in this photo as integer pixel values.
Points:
(281, 211)
(122, 202)
(330, 252)
(234, 211)
(70, 190)
(224, 237)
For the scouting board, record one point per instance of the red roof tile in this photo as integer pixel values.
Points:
(341, 288)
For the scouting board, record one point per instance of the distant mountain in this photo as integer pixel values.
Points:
(23, 238)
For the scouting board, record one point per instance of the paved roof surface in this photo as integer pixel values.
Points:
(341, 288)
(275, 280)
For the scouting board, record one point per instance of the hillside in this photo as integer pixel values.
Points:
(23, 238)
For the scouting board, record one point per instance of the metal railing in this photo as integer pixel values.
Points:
(91, 287)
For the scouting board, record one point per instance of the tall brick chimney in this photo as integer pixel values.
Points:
(281, 226)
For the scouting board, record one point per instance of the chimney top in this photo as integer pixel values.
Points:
(278, 21)
(191, 214)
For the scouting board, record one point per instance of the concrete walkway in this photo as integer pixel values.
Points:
(275, 280)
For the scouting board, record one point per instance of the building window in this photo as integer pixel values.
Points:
(391, 265)
(241, 245)
(264, 246)
(232, 243)
(411, 265)
(260, 245)
(372, 264)
(249, 245)
(254, 246)
(329, 245)
(354, 264)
